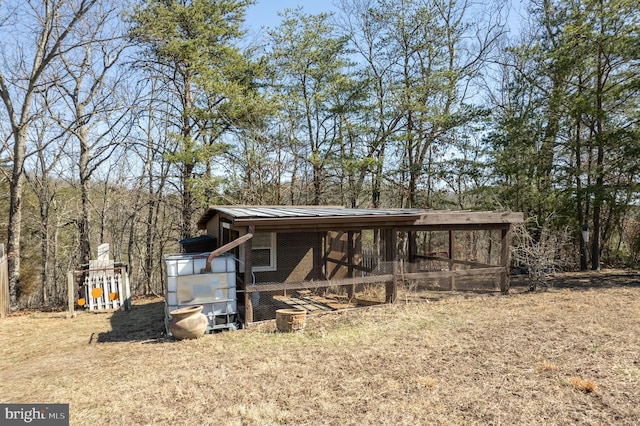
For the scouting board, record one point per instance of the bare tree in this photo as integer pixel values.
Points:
(539, 250)
(95, 110)
(33, 34)
(48, 146)
(152, 144)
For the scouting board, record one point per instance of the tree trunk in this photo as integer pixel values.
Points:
(187, 201)
(599, 186)
(15, 217)
(44, 242)
(83, 224)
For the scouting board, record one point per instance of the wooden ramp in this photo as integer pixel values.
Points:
(314, 303)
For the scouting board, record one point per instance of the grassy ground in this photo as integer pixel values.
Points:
(567, 355)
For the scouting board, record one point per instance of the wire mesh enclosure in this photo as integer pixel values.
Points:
(324, 271)
(328, 257)
(315, 271)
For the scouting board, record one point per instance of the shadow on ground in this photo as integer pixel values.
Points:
(143, 322)
(585, 280)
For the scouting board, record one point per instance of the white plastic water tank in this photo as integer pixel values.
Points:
(216, 291)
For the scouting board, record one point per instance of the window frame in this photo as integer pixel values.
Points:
(273, 255)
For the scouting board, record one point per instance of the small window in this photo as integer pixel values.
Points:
(263, 252)
(226, 233)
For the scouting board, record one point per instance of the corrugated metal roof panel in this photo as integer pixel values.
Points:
(290, 212)
(308, 216)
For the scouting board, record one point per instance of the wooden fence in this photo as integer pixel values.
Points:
(4, 283)
(101, 288)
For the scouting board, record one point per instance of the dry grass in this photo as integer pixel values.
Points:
(584, 385)
(547, 366)
(477, 360)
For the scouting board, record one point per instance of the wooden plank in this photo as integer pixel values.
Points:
(314, 303)
(95, 283)
(343, 263)
(391, 288)
(452, 247)
(437, 217)
(89, 298)
(390, 253)
(114, 289)
(120, 294)
(454, 227)
(105, 291)
(504, 260)
(457, 262)
(248, 271)
(459, 273)
(271, 286)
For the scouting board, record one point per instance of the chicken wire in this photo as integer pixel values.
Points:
(339, 270)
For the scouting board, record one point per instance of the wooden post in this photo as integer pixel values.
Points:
(127, 289)
(452, 246)
(350, 250)
(391, 288)
(71, 293)
(123, 272)
(88, 282)
(248, 267)
(504, 260)
(4, 284)
(105, 290)
(351, 290)
(321, 252)
(412, 246)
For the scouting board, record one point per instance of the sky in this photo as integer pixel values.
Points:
(264, 13)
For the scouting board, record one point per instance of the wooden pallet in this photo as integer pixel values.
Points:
(312, 303)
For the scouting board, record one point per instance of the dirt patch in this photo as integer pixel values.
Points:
(566, 355)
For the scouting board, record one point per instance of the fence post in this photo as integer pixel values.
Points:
(4, 284)
(390, 255)
(71, 293)
(504, 259)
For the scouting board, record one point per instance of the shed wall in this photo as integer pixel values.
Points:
(299, 258)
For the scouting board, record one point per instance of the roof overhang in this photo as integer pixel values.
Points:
(298, 218)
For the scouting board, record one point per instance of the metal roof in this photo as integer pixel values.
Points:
(317, 216)
(305, 211)
(305, 214)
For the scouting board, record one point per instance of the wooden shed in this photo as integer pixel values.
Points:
(325, 257)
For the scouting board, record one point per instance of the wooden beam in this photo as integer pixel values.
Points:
(321, 223)
(452, 246)
(412, 245)
(353, 266)
(248, 271)
(444, 217)
(351, 290)
(457, 262)
(389, 242)
(303, 285)
(319, 253)
(504, 260)
(390, 255)
(458, 274)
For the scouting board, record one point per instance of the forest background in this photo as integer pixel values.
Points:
(121, 121)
